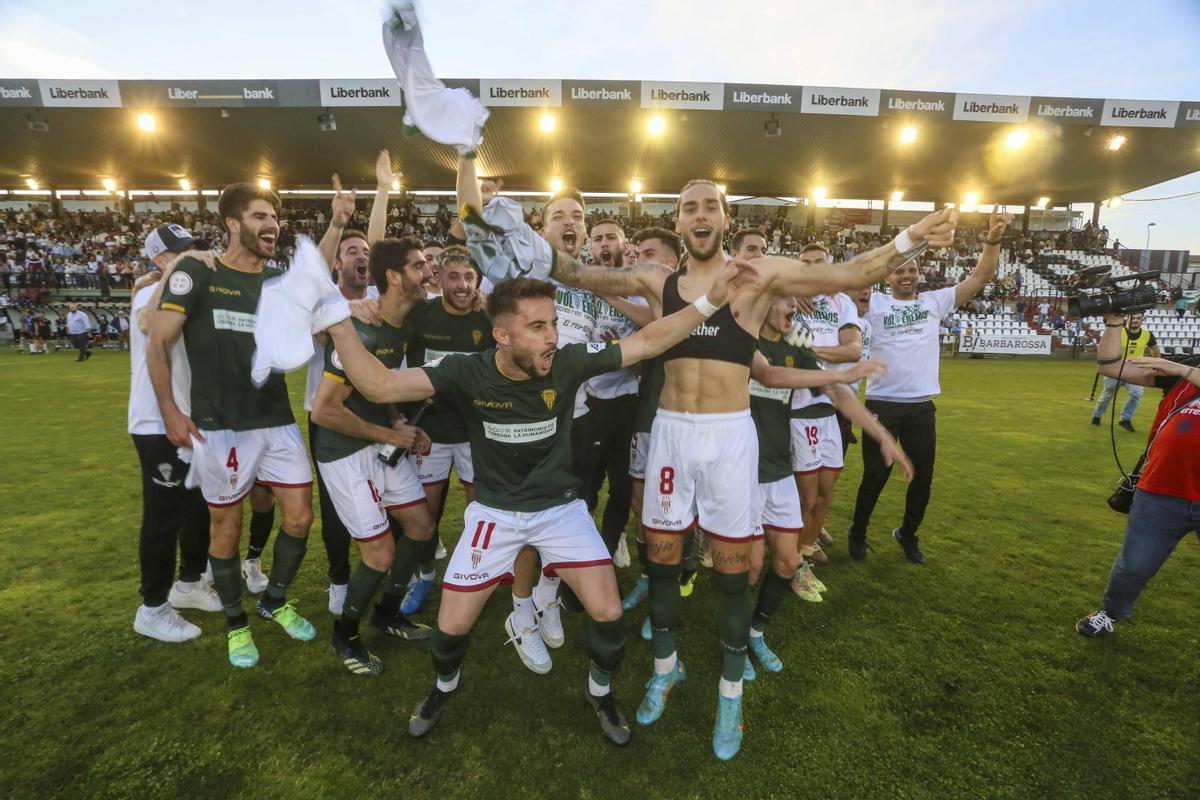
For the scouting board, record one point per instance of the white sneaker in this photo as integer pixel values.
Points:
(440, 552)
(253, 575)
(337, 598)
(199, 595)
(530, 646)
(164, 623)
(621, 557)
(549, 622)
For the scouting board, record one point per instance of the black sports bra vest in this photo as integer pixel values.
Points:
(719, 337)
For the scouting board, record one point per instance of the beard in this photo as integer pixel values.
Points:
(697, 254)
(249, 240)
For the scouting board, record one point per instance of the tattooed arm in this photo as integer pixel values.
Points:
(644, 278)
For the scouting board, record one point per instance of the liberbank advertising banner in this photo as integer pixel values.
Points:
(554, 93)
(1004, 345)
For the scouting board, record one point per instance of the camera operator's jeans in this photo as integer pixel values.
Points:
(1110, 390)
(1156, 524)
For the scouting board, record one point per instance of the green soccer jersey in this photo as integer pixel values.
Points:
(440, 330)
(771, 408)
(389, 344)
(218, 336)
(520, 431)
(649, 391)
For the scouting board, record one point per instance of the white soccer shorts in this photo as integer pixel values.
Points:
(778, 507)
(702, 468)
(565, 537)
(639, 450)
(227, 463)
(434, 466)
(816, 445)
(364, 490)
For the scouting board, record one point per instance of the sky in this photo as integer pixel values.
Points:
(1141, 50)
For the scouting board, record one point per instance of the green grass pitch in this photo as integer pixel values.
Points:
(960, 679)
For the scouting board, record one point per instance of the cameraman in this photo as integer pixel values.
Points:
(1136, 342)
(1166, 503)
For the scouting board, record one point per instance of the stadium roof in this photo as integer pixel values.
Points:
(845, 140)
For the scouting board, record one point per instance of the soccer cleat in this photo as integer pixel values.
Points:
(817, 555)
(621, 558)
(824, 537)
(1126, 424)
(163, 623)
(687, 583)
(640, 589)
(242, 652)
(440, 552)
(415, 597)
(802, 585)
(199, 595)
(612, 721)
(253, 575)
(816, 582)
(1095, 420)
(399, 626)
(856, 544)
(910, 545)
(657, 689)
(354, 654)
(727, 733)
(1098, 623)
(530, 646)
(337, 597)
(549, 623)
(647, 633)
(429, 711)
(292, 623)
(769, 661)
(748, 671)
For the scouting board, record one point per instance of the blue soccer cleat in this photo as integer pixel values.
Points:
(416, 595)
(657, 689)
(727, 733)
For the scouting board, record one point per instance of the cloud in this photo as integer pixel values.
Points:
(33, 45)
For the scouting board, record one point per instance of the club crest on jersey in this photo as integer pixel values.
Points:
(788, 361)
(477, 336)
(548, 397)
(476, 557)
(180, 283)
(666, 505)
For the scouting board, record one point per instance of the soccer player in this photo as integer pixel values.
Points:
(517, 401)
(703, 450)
(171, 513)
(449, 323)
(780, 368)
(904, 327)
(238, 433)
(817, 452)
(603, 434)
(366, 493)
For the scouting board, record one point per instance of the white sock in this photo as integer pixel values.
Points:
(664, 666)
(755, 633)
(546, 590)
(595, 689)
(450, 685)
(412, 580)
(730, 689)
(428, 574)
(523, 612)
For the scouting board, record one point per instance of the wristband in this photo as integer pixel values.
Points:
(1122, 325)
(903, 242)
(705, 308)
(1103, 361)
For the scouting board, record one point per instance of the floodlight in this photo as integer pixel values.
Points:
(818, 193)
(635, 185)
(185, 184)
(1113, 202)
(1042, 202)
(1017, 139)
(264, 183)
(548, 123)
(908, 135)
(109, 185)
(556, 184)
(146, 122)
(31, 183)
(657, 125)
(897, 196)
(1115, 142)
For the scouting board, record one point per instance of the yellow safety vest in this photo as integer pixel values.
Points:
(1135, 348)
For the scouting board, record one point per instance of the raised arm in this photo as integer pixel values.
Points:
(146, 312)
(377, 227)
(786, 277)
(989, 260)
(341, 210)
(376, 382)
(466, 185)
(1108, 355)
(644, 278)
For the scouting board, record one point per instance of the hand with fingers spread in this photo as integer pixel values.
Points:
(893, 454)
(366, 310)
(736, 276)
(1161, 366)
(383, 170)
(867, 368)
(343, 203)
(489, 188)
